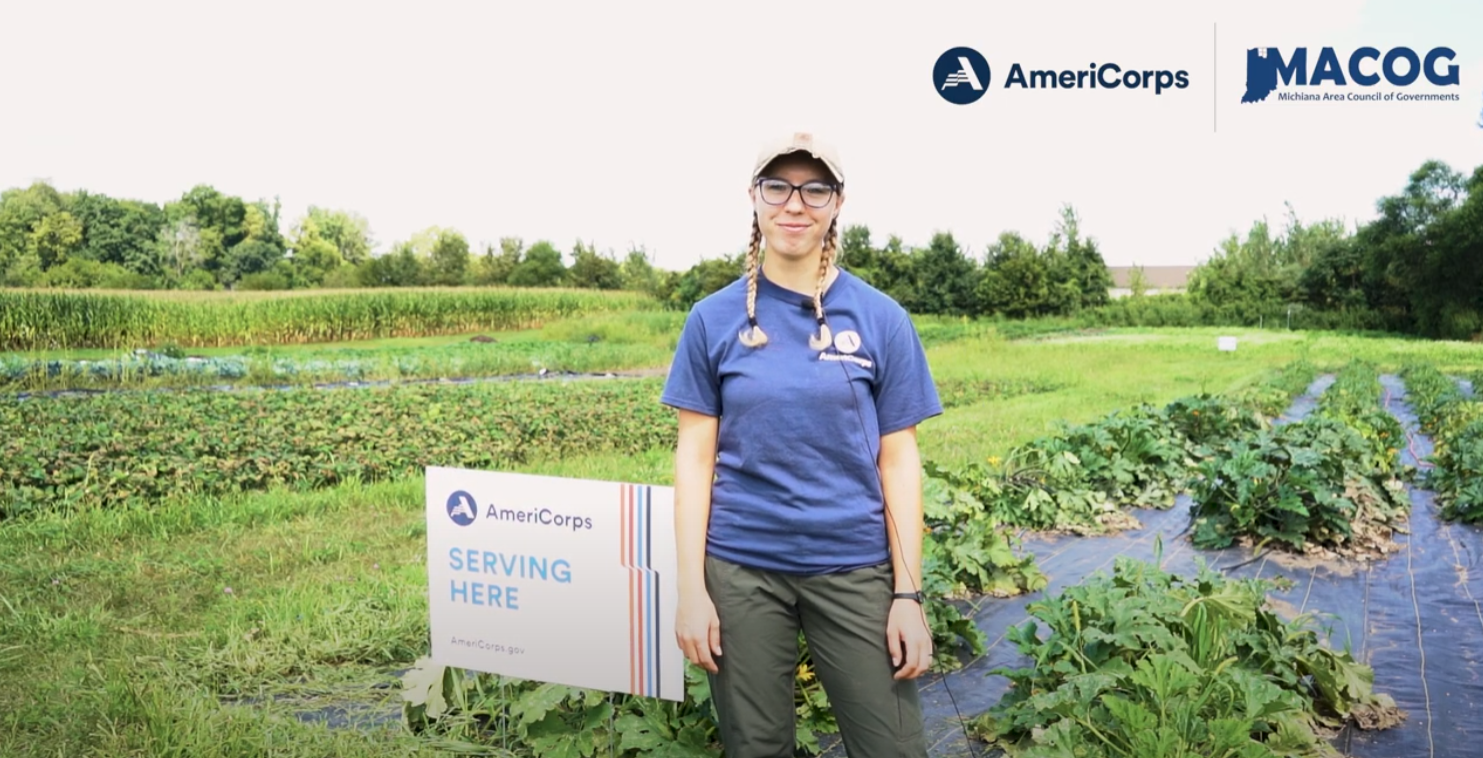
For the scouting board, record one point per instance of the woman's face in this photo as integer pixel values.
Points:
(795, 229)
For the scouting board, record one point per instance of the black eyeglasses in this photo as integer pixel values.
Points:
(778, 192)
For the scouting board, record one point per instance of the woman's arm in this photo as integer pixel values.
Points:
(695, 467)
(901, 478)
(907, 633)
(697, 627)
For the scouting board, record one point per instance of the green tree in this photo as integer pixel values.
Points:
(541, 267)
(54, 238)
(1016, 281)
(1246, 275)
(1394, 247)
(180, 248)
(349, 233)
(593, 270)
(494, 268)
(248, 257)
(704, 278)
(1137, 281)
(1083, 264)
(448, 262)
(121, 232)
(894, 273)
(400, 267)
(21, 210)
(945, 279)
(220, 220)
(1447, 265)
(313, 260)
(857, 255)
(638, 274)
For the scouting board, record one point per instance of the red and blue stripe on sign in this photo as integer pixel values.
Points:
(635, 555)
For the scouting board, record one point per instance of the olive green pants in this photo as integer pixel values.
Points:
(843, 618)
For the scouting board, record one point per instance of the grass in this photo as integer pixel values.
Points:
(118, 636)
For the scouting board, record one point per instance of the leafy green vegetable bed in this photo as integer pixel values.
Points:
(1083, 478)
(133, 448)
(1456, 426)
(1329, 484)
(1147, 663)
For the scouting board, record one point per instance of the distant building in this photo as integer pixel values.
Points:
(1157, 279)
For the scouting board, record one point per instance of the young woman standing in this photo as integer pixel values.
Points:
(798, 488)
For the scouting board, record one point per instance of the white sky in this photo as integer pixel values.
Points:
(626, 123)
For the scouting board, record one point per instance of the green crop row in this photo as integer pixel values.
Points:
(1082, 477)
(133, 448)
(1146, 663)
(260, 367)
(38, 320)
(1332, 481)
(1456, 426)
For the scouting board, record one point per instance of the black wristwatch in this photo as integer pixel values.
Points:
(917, 596)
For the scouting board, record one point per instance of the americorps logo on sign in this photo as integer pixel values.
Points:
(1329, 76)
(462, 508)
(554, 579)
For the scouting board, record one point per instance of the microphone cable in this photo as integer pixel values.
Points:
(901, 543)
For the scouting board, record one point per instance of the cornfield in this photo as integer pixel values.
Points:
(59, 320)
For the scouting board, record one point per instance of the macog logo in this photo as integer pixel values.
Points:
(1365, 66)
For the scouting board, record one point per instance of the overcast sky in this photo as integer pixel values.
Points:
(636, 123)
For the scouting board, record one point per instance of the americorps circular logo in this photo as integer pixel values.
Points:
(961, 76)
(461, 508)
(847, 341)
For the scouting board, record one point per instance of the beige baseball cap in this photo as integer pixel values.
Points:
(800, 141)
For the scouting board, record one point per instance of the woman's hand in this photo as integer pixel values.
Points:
(909, 639)
(698, 630)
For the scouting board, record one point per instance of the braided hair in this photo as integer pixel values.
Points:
(753, 336)
(831, 245)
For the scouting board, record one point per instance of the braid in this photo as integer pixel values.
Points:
(753, 336)
(831, 239)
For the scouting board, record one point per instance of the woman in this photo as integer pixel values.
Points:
(798, 479)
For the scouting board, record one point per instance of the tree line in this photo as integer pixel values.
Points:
(208, 240)
(1417, 268)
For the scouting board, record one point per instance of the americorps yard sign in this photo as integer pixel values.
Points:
(554, 579)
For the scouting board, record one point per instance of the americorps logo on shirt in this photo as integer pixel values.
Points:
(847, 343)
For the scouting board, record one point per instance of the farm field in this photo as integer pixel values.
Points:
(235, 573)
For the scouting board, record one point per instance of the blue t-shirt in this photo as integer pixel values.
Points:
(796, 487)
